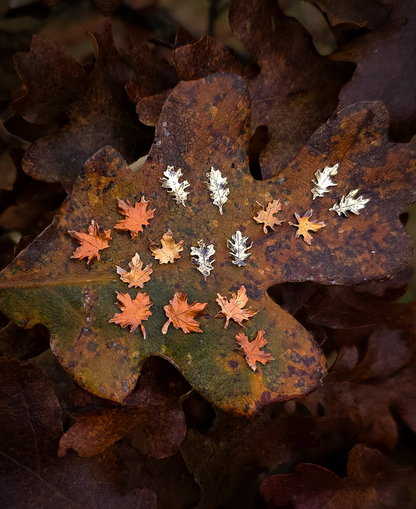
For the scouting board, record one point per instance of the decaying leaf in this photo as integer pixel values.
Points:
(91, 243)
(133, 312)
(324, 181)
(304, 226)
(372, 481)
(251, 349)
(182, 315)
(155, 406)
(106, 359)
(267, 216)
(137, 276)
(169, 252)
(234, 308)
(32, 474)
(350, 203)
(137, 216)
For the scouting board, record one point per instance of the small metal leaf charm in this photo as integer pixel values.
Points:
(203, 254)
(350, 204)
(238, 248)
(175, 188)
(218, 192)
(324, 180)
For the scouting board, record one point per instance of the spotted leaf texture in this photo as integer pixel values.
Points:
(182, 315)
(234, 308)
(91, 243)
(107, 359)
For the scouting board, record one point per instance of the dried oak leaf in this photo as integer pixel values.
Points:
(169, 252)
(234, 308)
(137, 276)
(155, 406)
(107, 359)
(91, 243)
(266, 216)
(369, 391)
(236, 445)
(96, 106)
(182, 315)
(137, 216)
(133, 312)
(32, 476)
(296, 90)
(305, 226)
(391, 46)
(372, 482)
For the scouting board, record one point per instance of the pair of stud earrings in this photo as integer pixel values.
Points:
(216, 185)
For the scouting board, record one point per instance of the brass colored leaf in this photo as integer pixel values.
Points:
(91, 243)
(234, 308)
(137, 216)
(133, 311)
(169, 250)
(137, 276)
(182, 315)
(267, 216)
(251, 349)
(305, 225)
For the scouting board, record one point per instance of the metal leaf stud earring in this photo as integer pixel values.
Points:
(324, 181)
(216, 184)
(176, 189)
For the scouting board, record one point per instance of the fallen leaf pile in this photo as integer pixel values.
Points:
(202, 251)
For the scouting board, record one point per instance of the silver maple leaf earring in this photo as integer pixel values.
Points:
(176, 189)
(216, 185)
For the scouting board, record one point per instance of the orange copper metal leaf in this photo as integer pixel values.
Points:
(182, 315)
(267, 216)
(234, 308)
(305, 225)
(137, 216)
(137, 276)
(91, 243)
(251, 349)
(169, 250)
(134, 312)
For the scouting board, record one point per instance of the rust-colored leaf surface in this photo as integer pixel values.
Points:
(305, 225)
(91, 243)
(133, 311)
(252, 349)
(267, 216)
(296, 90)
(234, 308)
(136, 276)
(155, 406)
(182, 315)
(371, 482)
(32, 474)
(137, 216)
(169, 252)
(106, 359)
(96, 106)
(391, 46)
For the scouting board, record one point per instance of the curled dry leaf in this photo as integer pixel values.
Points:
(134, 312)
(91, 243)
(371, 482)
(267, 216)
(304, 226)
(234, 308)
(169, 251)
(182, 315)
(251, 349)
(137, 276)
(137, 216)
